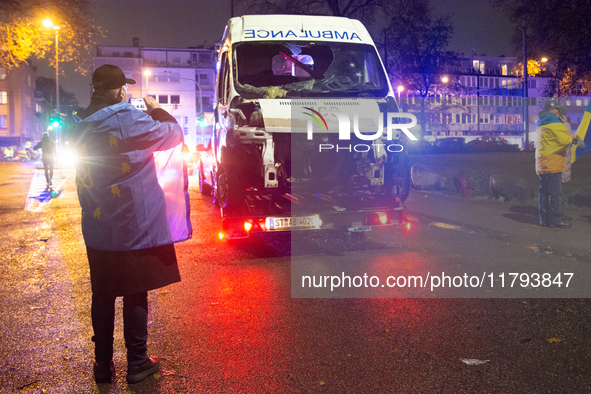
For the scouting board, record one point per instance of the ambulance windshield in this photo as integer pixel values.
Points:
(301, 69)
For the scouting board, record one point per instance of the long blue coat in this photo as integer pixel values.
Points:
(127, 224)
(123, 204)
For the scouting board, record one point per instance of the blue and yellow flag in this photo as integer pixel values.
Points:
(583, 133)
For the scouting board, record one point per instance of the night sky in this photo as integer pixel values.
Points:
(182, 23)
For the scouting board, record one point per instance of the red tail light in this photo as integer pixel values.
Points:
(377, 218)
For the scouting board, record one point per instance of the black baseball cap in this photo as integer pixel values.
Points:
(108, 77)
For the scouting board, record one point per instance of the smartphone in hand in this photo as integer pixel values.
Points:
(138, 103)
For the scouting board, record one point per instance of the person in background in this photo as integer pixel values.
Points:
(553, 138)
(124, 218)
(47, 145)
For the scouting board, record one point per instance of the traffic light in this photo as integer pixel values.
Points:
(201, 121)
(55, 121)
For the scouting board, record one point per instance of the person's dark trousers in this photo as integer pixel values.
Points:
(48, 167)
(550, 199)
(135, 327)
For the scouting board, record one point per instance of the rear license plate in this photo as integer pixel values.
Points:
(293, 223)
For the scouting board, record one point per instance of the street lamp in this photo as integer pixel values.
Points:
(444, 79)
(147, 73)
(48, 23)
(525, 98)
(400, 90)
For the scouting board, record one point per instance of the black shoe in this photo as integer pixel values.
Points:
(104, 373)
(139, 373)
(561, 224)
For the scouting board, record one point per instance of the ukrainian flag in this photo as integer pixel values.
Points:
(584, 133)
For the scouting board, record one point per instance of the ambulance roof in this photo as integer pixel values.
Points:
(294, 28)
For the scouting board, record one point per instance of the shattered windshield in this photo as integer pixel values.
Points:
(300, 69)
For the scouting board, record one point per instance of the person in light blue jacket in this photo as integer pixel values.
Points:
(125, 226)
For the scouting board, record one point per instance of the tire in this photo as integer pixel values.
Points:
(223, 187)
(204, 188)
(229, 191)
(400, 180)
(403, 178)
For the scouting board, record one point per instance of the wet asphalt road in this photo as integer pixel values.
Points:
(232, 325)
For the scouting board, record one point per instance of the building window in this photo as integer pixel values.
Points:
(3, 97)
(204, 57)
(2, 73)
(568, 103)
(579, 103)
(2, 121)
(175, 99)
(206, 100)
(457, 118)
(163, 99)
(204, 79)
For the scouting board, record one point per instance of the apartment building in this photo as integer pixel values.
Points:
(181, 80)
(21, 111)
(489, 101)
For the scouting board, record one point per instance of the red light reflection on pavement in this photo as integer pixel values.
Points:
(228, 325)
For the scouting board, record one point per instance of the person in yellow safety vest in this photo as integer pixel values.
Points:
(553, 137)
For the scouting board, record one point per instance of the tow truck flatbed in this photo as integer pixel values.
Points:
(311, 211)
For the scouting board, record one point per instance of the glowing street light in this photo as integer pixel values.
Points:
(49, 24)
(147, 73)
(544, 59)
(400, 89)
(444, 79)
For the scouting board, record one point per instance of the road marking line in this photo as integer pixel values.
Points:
(446, 225)
(38, 185)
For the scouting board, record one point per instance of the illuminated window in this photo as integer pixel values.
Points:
(3, 121)
(579, 103)
(2, 73)
(3, 97)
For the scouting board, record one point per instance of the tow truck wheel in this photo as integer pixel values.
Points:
(204, 188)
(404, 179)
(400, 181)
(222, 192)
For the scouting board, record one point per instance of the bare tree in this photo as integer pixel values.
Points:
(346, 8)
(415, 46)
(559, 30)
